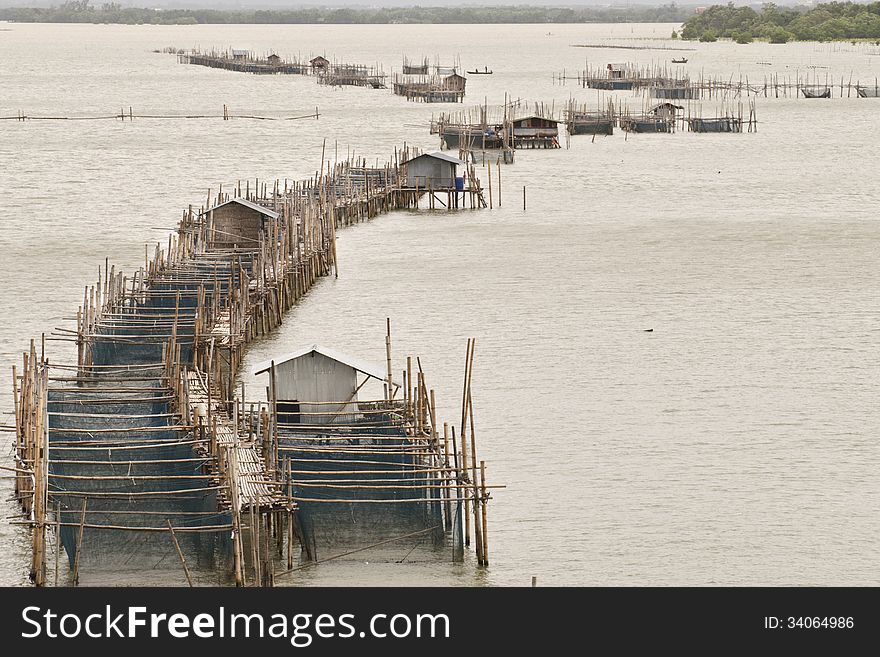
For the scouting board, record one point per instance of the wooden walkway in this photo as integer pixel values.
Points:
(248, 473)
(188, 314)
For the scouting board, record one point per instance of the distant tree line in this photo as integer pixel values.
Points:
(833, 21)
(82, 11)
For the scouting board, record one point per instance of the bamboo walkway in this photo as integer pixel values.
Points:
(153, 386)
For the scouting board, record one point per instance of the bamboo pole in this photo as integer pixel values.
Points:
(390, 382)
(186, 572)
(483, 512)
(79, 542)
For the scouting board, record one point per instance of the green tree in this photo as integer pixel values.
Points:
(708, 36)
(778, 34)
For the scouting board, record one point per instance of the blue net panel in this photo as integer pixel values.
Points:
(113, 444)
(361, 485)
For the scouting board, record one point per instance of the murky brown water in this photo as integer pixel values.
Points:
(736, 444)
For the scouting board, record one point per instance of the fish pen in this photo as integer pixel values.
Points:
(374, 471)
(430, 89)
(728, 118)
(716, 124)
(482, 128)
(353, 75)
(446, 70)
(478, 156)
(645, 123)
(415, 68)
(683, 91)
(138, 453)
(799, 85)
(665, 83)
(514, 125)
(816, 92)
(625, 77)
(243, 61)
(659, 118)
(109, 458)
(581, 120)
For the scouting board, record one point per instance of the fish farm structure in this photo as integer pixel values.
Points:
(243, 61)
(682, 91)
(513, 125)
(145, 451)
(667, 117)
(415, 68)
(581, 119)
(430, 89)
(666, 83)
(481, 128)
(353, 75)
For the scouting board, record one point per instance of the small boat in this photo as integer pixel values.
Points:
(485, 71)
(683, 60)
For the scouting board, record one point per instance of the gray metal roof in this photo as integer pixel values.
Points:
(535, 116)
(249, 204)
(362, 366)
(437, 155)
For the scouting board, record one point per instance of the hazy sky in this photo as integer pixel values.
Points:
(287, 4)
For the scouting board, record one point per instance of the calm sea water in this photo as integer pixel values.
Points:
(734, 444)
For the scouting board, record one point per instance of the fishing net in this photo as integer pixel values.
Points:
(363, 490)
(113, 447)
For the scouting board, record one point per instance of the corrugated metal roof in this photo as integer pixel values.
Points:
(251, 205)
(535, 116)
(364, 367)
(437, 155)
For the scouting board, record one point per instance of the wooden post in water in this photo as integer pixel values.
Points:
(40, 473)
(289, 480)
(388, 358)
(179, 553)
(237, 547)
(447, 480)
(255, 544)
(489, 173)
(57, 539)
(483, 512)
(79, 542)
